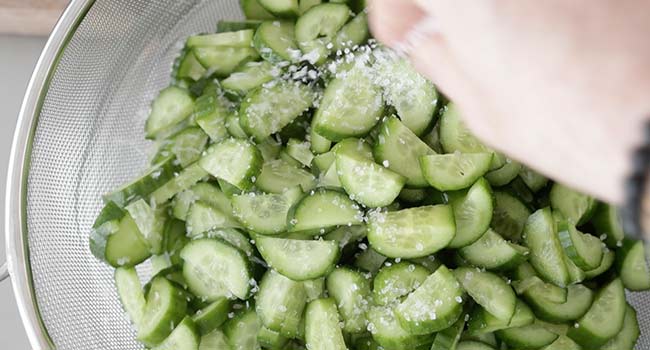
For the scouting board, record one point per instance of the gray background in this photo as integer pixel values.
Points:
(18, 56)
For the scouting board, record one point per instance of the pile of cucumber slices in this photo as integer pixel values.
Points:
(312, 191)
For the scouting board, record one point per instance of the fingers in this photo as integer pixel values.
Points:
(391, 20)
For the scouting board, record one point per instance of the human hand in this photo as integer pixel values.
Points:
(559, 85)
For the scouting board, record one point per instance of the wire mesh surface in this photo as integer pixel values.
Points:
(89, 139)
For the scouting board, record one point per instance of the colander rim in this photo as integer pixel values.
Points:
(17, 250)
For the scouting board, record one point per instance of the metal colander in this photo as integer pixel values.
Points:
(79, 135)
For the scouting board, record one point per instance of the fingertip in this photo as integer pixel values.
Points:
(391, 20)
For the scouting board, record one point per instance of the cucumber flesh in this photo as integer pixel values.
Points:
(489, 291)
(351, 291)
(333, 208)
(607, 222)
(388, 332)
(510, 215)
(574, 206)
(456, 171)
(130, 290)
(492, 252)
(276, 42)
(578, 300)
(316, 28)
(265, 213)
(632, 265)
(184, 337)
(280, 303)
(532, 336)
(482, 322)
(241, 331)
(627, 337)
(166, 306)
(172, 106)
(584, 250)
(212, 316)
(397, 281)
(546, 253)
(298, 259)
(237, 161)
(322, 330)
(473, 211)
(277, 176)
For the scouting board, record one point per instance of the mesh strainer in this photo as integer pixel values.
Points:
(80, 134)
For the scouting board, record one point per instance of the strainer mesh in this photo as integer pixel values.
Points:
(89, 139)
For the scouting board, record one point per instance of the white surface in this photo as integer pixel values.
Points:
(18, 56)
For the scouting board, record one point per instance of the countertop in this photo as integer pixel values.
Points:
(18, 57)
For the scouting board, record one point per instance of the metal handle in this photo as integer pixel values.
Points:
(4, 271)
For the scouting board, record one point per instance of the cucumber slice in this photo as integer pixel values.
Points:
(456, 171)
(276, 41)
(473, 345)
(488, 290)
(351, 106)
(333, 209)
(120, 243)
(211, 117)
(202, 218)
(523, 271)
(223, 60)
(428, 262)
(186, 145)
(354, 33)
(584, 250)
(455, 137)
(299, 259)
(632, 266)
(351, 291)
(574, 206)
(187, 178)
(315, 289)
(399, 149)
(492, 252)
(253, 10)
(397, 281)
(269, 339)
(532, 336)
(578, 300)
(150, 223)
(532, 179)
(280, 303)
(319, 144)
(485, 338)
(305, 5)
(265, 213)
(369, 260)
(129, 289)
(184, 337)
(388, 332)
(267, 110)
(354, 146)
(510, 215)
(316, 28)
(546, 253)
(234, 26)
(413, 195)
(605, 264)
(322, 330)
(548, 291)
(237, 161)
(563, 343)
(604, 319)
(212, 316)
(413, 96)
(281, 8)
(576, 275)
(411, 233)
(482, 322)
(367, 182)
(503, 175)
(171, 106)
(433, 306)
(472, 212)
(627, 337)
(166, 306)
(449, 338)
(300, 151)
(322, 162)
(241, 331)
(241, 38)
(277, 176)
(203, 192)
(330, 178)
(607, 222)
(233, 237)
(142, 187)
(289, 159)
(250, 76)
(234, 127)
(188, 67)
(213, 269)
(214, 340)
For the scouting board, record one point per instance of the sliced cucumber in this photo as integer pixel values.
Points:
(584, 250)
(120, 243)
(241, 331)
(269, 339)
(280, 303)
(575, 206)
(354, 33)
(187, 178)
(546, 253)
(223, 60)
(509, 216)
(172, 106)
(276, 41)
(503, 175)
(237, 161)
(267, 110)
(281, 8)
(626, 338)
(323, 209)
(351, 291)
(563, 343)
(605, 264)
(632, 266)
(316, 28)
(412, 95)
(369, 260)
(212, 316)
(399, 149)
(397, 281)
(277, 176)
(315, 289)
(250, 76)
(350, 107)
(129, 289)
(154, 177)
(150, 223)
(607, 222)
(214, 269)
(456, 171)
(492, 252)
(322, 330)
(189, 67)
(233, 126)
(186, 145)
(202, 218)
(578, 300)
(184, 337)
(411, 233)
(532, 336)
(300, 151)
(234, 26)
(203, 192)
(483, 322)
(165, 308)
(533, 285)
(433, 306)
(299, 259)
(488, 290)
(449, 338)
(265, 213)
(241, 38)
(388, 332)
(367, 182)
(214, 340)
(211, 117)
(532, 179)
(604, 319)
(472, 212)
(253, 10)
